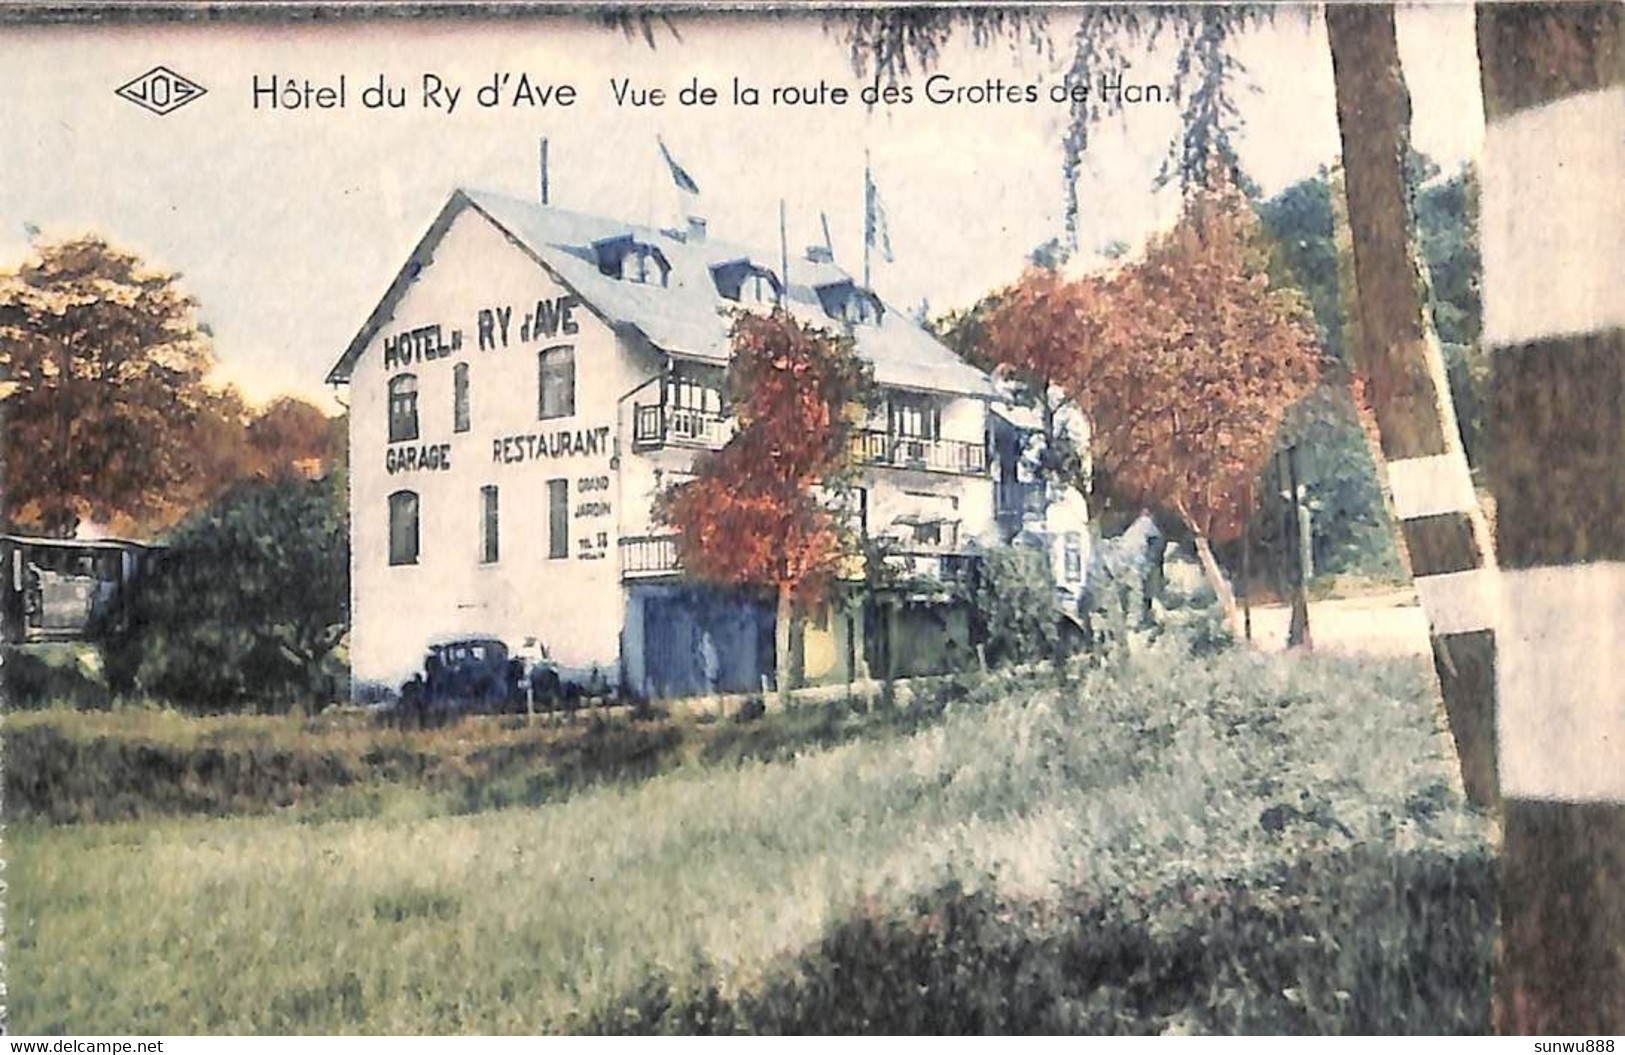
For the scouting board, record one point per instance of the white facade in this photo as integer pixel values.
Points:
(467, 327)
(572, 604)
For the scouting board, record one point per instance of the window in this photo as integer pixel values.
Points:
(916, 418)
(403, 527)
(849, 304)
(746, 283)
(1073, 557)
(489, 543)
(558, 382)
(459, 398)
(403, 407)
(688, 390)
(558, 519)
(109, 566)
(759, 288)
(860, 307)
(936, 534)
(642, 264)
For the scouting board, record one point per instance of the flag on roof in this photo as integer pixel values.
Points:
(876, 234)
(679, 175)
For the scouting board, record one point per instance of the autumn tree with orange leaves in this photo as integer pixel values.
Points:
(107, 412)
(764, 510)
(1046, 339)
(103, 359)
(1184, 362)
(1211, 356)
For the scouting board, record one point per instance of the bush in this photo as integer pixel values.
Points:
(1204, 631)
(1013, 601)
(34, 679)
(1365, 942)
(245, 608)
(59, 778)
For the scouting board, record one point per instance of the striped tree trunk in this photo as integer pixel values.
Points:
(1553, 238)
(1446, 538)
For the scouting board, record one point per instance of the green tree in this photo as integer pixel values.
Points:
(247, 605)
(1351, 529)
(1304, 254)
(1014, 601)
(103, 360)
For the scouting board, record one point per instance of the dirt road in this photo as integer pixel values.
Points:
(1387, 624)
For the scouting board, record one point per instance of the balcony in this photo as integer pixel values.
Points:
(658, 425)
(948, 569)
(648, 556)
(875, 447)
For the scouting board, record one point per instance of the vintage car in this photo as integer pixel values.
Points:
(479, 674)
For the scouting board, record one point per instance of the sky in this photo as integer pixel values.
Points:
(287, 225)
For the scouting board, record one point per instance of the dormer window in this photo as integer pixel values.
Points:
(747, 283)
(629, 260)
(645, 265)
(845, 302)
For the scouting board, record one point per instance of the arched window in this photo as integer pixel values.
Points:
(403, 407)
(403, 527)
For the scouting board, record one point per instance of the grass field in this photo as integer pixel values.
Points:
(1242, 843)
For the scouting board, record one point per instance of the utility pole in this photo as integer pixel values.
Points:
(1298, 631)
(1247, 567)
(784, 254)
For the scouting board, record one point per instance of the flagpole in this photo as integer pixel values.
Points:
(868, 215)
(784, 256)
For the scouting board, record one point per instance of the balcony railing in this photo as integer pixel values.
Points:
(644, 556)
(946, 568)
(657, 425)
(877, 447)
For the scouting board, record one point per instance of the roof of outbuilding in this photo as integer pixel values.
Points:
(687, 316)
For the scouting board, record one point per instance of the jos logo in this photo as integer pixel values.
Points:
(161, 90)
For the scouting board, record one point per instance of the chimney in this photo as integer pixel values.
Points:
(820, 254)
(696, 228)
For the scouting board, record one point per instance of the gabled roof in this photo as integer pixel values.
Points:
(687, 316)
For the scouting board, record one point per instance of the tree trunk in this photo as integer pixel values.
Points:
(1221, 585)
(1446, 539)
(781, 647)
